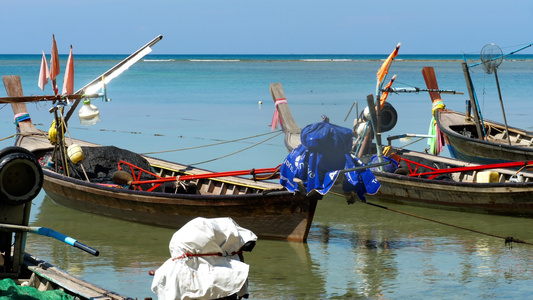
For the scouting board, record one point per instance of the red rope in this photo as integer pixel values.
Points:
(186, 255)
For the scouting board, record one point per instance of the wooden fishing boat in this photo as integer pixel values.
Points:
(264, 207)
(43, 276)
(464, 144)
(470, 187)
(470, 139)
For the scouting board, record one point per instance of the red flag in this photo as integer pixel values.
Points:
(54, 65)
(68, 81)
(44, 74)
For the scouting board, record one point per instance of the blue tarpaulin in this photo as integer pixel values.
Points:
(318, 161)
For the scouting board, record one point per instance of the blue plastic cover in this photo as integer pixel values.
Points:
(318, 161)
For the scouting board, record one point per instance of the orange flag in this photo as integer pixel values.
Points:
(385, 93)
(54, 65)
(68, 81)
(382, 72)
(44, 74)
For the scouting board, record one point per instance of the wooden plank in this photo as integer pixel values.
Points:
(14, 89)
(18, 99)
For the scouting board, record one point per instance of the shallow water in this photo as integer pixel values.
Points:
(356, 251)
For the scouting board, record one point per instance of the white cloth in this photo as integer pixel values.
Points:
(204, 277)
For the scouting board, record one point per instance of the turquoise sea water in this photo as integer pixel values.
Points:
(176, 102)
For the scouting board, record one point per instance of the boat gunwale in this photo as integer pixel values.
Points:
(183, 196)
(444, 127)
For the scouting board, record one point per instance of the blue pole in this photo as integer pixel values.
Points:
(50, 233)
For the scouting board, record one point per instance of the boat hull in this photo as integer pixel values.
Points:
(44, 276)
(275, 215)
(492, 198)
(493, 150)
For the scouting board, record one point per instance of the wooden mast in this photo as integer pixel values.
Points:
(473, 104)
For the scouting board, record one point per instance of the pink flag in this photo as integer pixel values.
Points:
(68, 81)
(44, 74)
(54, 65)
(276, 118)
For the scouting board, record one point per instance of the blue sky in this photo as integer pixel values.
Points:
(265, 27)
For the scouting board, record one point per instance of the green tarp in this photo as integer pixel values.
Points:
(9, 290)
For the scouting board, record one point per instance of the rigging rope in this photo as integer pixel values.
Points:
(215, 144)
(13, 135)
(233, 153)
(508, 240)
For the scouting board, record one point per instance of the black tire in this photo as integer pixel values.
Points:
(388, 117)
(14, 149)
(21, 177)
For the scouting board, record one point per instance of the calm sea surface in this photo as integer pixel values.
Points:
(176, 102)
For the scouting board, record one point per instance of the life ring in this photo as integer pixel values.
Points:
(21, 176)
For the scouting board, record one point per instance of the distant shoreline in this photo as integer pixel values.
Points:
(307, 58)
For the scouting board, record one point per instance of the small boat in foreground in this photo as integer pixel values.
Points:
(427, 180)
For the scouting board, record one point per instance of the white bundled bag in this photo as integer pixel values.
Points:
(204, 261)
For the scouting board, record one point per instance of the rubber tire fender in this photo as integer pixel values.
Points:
(388, 117)
(21, 176)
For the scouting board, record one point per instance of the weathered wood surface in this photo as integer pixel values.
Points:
(14, 89)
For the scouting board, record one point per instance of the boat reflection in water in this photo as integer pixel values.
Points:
(356, 251)
(366, 252)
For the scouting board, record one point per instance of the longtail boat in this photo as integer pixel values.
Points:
(120, 184)
(471, 139)
(427, 180)
(164, 194)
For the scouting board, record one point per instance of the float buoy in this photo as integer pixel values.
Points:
(75, 154)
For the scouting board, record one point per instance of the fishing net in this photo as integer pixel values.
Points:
(491, 57)
(9, 290)
(100, 163)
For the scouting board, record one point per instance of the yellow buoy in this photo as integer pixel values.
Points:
(75, 154)
(52, 132)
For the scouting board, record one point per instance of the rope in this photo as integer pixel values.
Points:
(13, 135)
(508, 240)
(206, 161)
(209, 145)
(187, 254)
